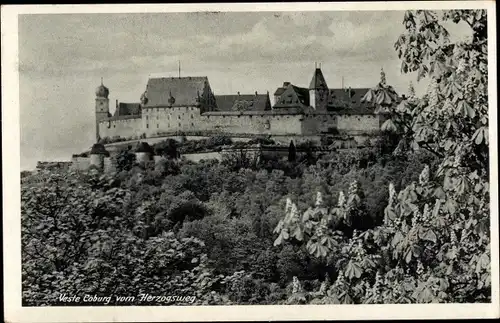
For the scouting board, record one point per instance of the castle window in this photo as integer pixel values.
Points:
(157, 109)
(192, 124)
(179, 124)
(147, 125)
(192, 117)
(146, 117)
(179, 117)
(157, 126)
(114, 126)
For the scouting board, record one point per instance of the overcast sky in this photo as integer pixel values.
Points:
(63, 57)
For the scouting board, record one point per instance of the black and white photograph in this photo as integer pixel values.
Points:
(298, 158)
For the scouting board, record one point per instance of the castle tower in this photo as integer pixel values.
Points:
(143, 153)
(318, 90)
(97, 155)
(101, 107)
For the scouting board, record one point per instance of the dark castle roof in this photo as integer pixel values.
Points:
(243, 102)
(293, 97)
(318, 80)
(340, 100)
(127, 109)
(98, 149)
(144, 147)
(348, 97)
(175, 91)
(282, 89)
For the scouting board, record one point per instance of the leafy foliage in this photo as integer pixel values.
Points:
(433, 245)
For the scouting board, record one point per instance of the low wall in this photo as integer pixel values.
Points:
(203, 156)
(80, 163)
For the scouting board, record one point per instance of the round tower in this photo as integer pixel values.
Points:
(143, 153)
(101, 107)
(97, 154)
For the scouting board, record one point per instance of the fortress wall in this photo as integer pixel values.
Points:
(285, 140)
(319, 123)
(80, 163)
(170, 119)
(196, 157)
(125, 128)
(259, 124)
(358, 123)
(161, 120)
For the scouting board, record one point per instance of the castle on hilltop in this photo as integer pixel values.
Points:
(172, 105)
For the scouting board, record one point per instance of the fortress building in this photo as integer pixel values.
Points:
(171, 105)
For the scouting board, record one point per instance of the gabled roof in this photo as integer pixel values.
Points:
(318, 80)
(348, 96)
(293, 97)
(279, 91)
(239, 102)
(126, 109)
(175, 91)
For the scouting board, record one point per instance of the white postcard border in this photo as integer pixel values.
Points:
(14, 312)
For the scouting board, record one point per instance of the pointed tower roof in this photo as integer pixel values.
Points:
(318, 80)
(143, 147)
(99, 149)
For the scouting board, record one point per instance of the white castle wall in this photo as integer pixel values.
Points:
(163, 120)
(97, 160)
(255, 123)
(196, 157)
(124, 127)
(170, 119)
(367, 123)
(80, 163)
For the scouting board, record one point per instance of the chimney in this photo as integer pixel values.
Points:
(238, 92)
(117, 104)
(255, 93)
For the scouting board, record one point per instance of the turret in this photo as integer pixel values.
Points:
(318, 90)
(143, 153)
(97, 154)
(101, 107)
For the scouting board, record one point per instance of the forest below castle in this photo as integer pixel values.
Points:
(406, 221)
